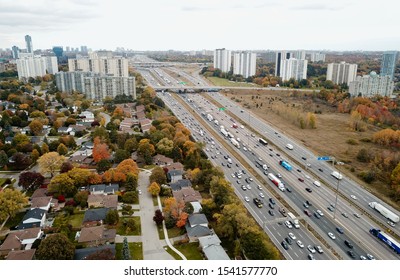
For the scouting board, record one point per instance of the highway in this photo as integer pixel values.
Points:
(355, 229)
(273, 225)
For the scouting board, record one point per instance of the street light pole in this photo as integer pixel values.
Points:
(337, 188)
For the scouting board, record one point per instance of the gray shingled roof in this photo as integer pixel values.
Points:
(197, 219)
(95, 214)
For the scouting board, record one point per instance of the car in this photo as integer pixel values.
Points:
(391, 224)
(300, 244)
(362, 257)
(243, 171)
(278, 155)
(317, 183)
(317, 215)
(370, 257)
(259, 187)
(288, 224)
(282, 211)
(307, 177)
(248, 187)
(357, 215)
(319, 249)
(353, 197)
(331, 235)
(233, 175)
(271, 206)
(246, 198)
(285, 245)
(308, 165)
(288, 240)
(271, 212)
(288, 189)
(311, 257)
(271, 155)
(279, 175)
(260, 159)
(237, 165)
(311, 249)
(244, 188)
(344, 214)
(272, 200)
(305, 205)
(301, 179)
(292, 236)
(320, 213)
(340, 230)
(308, 203)
(251, 179)
(239, 176)
(303, 158)
(309, 190)
(244, 149)
(238, 182)
(222, 163)
(351, 254)
(298, 170)
(308, 213)
(261, 195)
(330, 208)
(252, 135)
(228, 165)
(348, 244)
(320, 169)
(140, 191)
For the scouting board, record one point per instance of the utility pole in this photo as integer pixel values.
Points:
(337, 187)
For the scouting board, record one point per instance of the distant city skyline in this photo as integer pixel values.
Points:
(202, 24)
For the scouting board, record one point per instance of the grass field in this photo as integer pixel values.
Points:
(135, 248)
(122, 230)
(190, 250)
(226, 83)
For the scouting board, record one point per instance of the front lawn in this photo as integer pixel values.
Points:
(175, 232)
(13, 222)
(190, 250)
(123, 230)
(135, 248)
(76, 220)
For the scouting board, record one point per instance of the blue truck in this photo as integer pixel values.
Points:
(285, 165)
(390, 241)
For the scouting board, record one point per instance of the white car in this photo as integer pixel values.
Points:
(291, 235)
(353, 197)
(311, 249)
(288, 224)
(244, 149)
(241, 126)
(317, 183)
(259, 187)
(391, 224)
(247, 198)
(140, 191)
(308, 177)
(248, 187)
(331, 235)
(262, 195)
(233, 175)
(244, 188)
(301, 245)
(320, 212)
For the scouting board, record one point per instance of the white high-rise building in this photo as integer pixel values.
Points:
(244, 63)
(299, 54)
(114, 66)
(342, 72)
(72, 81)
(280, 56)
(100, 87)
(371, 85)
(293, 68)
(34, 66)
(317, 56)
(222, 60)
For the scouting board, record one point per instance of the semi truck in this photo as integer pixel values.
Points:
(210, 117)
(224, 132)
(384, 211)
(337, 175)
(231, 135)
(276, 181)
(390, 241)
(235, 143)
(293, 219)
(285, 165)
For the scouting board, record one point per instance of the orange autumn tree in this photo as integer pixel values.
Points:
(176, 210)
(100, 150)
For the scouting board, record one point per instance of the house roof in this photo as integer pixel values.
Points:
(183, 183)
(175, 166)
(40, 202)
(206, 241)
(107, 201)
(15, 239)
(99, 233)
(197, 219)
(98, 214)
(34, 214)
(81, 254)
(187, 195)
(175, 173)
(197, 231)
(109, 188)
(196, 206)
(215, 252)
(161, 158)
(23, 255)
(42, 192)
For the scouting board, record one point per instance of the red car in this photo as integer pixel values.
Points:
(301, 179)
(308, 213)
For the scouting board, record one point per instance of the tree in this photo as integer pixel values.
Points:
(55, 247)
(363, 155)
(165, 146)
(158, 217)
(131, 182)
(100, 150)
(256, 246)
(103, 165)
(158, 176)
(62, 184)
(3, 158)
(66, 166)
(130, 225)
(105, 254)
(146, 150)
(30, 180)
(21, 161)
(62, 149)
(131, 145)
(154, 189)
(120, 155)
(80, 176)
(45, 148)
(35, 155)
(36, 127)
(11, 202)
(50, 162)
(129, 197)
(81, 198)
(112, 217)
(126, 254)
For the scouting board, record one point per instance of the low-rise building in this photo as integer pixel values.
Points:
(94, 236)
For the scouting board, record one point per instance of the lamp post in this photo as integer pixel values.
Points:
(337, 187)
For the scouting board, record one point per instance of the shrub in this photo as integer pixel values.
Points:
(352, 142)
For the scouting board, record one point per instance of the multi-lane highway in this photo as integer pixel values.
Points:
(237, 174)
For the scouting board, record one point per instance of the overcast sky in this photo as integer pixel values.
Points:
(202, 24)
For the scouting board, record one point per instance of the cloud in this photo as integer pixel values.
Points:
(317, 7)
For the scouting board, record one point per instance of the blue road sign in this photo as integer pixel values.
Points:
(324, 158)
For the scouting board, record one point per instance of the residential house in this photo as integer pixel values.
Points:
(78, 159)
(196, 207)
(94, 236)
(87, 116)
(41, 192)
(88, 145)
(76, 128)
(43, 203)
(26, 130)
(8, 140)
(104, 189)
(187, 195)
(82, 254)
(33, 218)
(93, 217)
(212, 249)
(64, 130)
(197, 226)
(175, 166)
(174, 175)
(162, 160)
(126, 125)
(101, 200)
(177, 186)
(20, 240)
(21, 255)
(145, 125)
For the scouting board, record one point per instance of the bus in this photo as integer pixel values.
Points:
(262, 141)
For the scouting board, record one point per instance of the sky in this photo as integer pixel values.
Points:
(202, 24)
